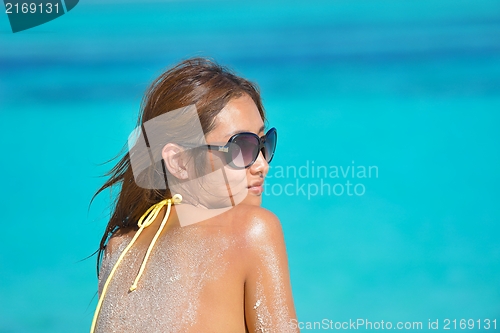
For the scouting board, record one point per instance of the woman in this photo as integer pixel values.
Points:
(188, 247)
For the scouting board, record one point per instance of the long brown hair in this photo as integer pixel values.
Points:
(195, 81)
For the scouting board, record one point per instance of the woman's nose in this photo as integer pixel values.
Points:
(260, 165)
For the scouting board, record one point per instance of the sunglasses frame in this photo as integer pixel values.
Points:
(226, 149)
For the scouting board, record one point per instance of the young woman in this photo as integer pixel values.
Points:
(188, 247)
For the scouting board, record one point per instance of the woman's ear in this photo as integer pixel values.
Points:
(175, 160)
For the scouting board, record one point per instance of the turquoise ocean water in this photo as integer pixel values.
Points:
(407, 90)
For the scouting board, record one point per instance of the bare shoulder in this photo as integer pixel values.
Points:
(256, 226)
(115, 241)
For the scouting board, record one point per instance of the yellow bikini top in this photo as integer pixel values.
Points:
(145, 221)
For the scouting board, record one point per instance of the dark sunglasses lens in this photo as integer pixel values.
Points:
(244, 150)
(270, 145)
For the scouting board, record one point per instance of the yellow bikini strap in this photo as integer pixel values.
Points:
(144, 222)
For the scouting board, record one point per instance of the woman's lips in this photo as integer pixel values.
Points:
(256, 189)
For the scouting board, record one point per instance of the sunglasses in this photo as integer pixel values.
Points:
(242, 149)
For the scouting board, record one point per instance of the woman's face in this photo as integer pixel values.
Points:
(224, 186)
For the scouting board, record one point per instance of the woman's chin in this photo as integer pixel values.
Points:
(253, 200)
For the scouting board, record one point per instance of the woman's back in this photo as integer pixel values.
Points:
(219, 263)
(195, 279)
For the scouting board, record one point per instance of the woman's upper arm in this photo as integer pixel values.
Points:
(268, 295)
